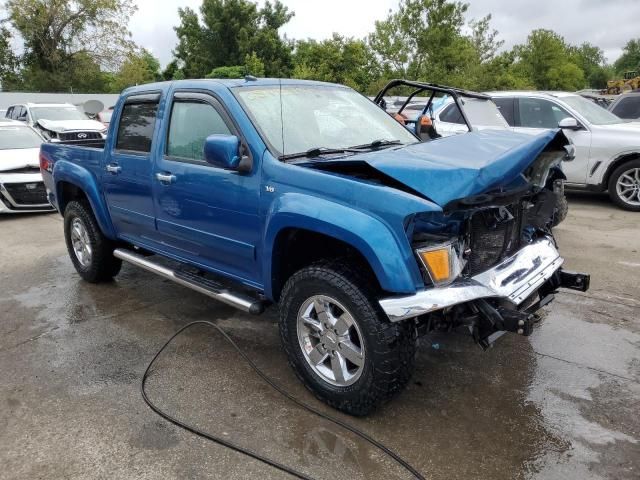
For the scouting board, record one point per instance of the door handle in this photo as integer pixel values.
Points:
(166, 178)
(113, 168)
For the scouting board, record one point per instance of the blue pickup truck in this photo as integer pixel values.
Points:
(310, 196)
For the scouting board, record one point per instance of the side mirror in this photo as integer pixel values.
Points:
(223, 151)
(569, 123)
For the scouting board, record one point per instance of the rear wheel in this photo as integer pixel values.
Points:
(90, 251)
(624, 186)
(339, 341)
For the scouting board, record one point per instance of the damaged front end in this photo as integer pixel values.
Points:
(490, 261)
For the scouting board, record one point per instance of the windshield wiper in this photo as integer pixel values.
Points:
(378, 143)
(317, 151)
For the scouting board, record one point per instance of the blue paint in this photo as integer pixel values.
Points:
(228, 222)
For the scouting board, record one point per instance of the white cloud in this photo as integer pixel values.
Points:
(608, 25)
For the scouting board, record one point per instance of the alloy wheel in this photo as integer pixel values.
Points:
(330, 340)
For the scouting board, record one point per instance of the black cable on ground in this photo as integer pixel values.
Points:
(280, 390)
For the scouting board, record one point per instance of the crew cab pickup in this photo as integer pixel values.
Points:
(310, 196)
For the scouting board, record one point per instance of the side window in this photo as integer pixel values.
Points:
(135, 131)
(191, 123)
(451, 114)
(540, 113)
(505, 105)
(9, 113)
(628, 108)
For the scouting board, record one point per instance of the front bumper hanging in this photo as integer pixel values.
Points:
(514, 279)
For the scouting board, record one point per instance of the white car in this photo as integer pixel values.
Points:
(21, 186)
(607, 147)
(58, 121)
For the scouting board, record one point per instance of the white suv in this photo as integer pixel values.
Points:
(58, 121)
(607, 147)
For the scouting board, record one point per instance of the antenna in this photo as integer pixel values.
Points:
(281, 115)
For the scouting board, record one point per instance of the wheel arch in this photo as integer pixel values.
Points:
(76, 183)
(619, 160)
(292, 239)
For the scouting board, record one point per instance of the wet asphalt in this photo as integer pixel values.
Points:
(561, 404)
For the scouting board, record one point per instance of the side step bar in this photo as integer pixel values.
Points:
(235, 299)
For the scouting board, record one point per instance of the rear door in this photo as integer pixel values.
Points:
(205, 214)
(127, 176)
(536, 115)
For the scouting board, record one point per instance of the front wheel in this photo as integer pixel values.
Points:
(339, 341)
(90, 251)
(624, 186)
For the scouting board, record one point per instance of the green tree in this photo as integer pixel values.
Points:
(630, 58)
(338, 60)
(141, 67)
(592, 62)
(429, 40)
(230, 31)
(9, 62)
(546, 58)
(62, 37)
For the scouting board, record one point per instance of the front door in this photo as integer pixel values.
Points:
(536, 115)
(205, 214)
(127, 174)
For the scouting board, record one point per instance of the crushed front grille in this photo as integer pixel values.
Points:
(31, 193)
(494, 235)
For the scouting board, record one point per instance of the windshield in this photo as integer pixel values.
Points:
(311, 116)
(18, 137)
(593, 113)
(57, 113)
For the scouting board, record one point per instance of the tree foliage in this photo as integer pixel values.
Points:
(141, 67)
(228, 32)
(84, 45)
(63, 38)
(630, 58)
(338, 59)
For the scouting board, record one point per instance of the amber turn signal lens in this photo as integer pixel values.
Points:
(438, 263)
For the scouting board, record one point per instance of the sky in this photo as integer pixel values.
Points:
(608, 24)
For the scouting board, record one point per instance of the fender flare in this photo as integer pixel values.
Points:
(391, 261)
(85, 181)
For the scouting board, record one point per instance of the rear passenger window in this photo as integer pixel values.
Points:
(9, 113)
(135, 131)
(451, 114)
(505, 105)
(191, 124)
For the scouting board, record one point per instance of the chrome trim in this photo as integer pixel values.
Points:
(237, 300)
(513, 279)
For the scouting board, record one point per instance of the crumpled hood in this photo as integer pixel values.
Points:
(19, 158)
(462, 165)
(70, 125)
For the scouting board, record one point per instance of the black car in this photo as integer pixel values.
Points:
(627, 106)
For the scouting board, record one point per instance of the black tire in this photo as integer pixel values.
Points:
(389, 347)
(613, 180)
(102, 266)
(562, 210)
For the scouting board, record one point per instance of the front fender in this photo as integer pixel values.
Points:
(388, 254)
(80, 177)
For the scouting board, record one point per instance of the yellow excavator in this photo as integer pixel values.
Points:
(629, 82)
